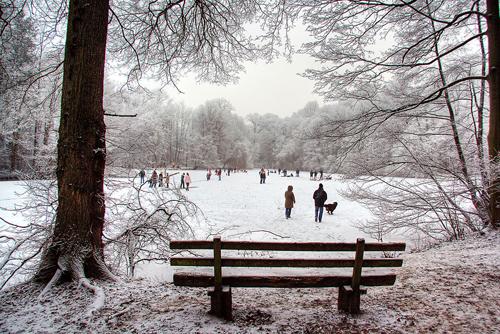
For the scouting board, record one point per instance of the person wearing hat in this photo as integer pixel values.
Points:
(319, 197)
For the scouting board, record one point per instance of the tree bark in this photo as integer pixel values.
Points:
(76, 246)
(493, 20)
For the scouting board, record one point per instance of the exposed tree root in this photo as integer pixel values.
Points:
(74, 267)
(100, 296)
(57, 276)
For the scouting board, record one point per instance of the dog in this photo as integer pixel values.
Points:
(331, 207)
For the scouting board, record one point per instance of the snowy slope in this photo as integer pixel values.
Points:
(452, 288)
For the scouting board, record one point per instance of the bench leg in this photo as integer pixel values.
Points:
(349, 300)
(221, 302)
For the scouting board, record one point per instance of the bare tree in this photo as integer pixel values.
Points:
(143, 221)
(164, 38)
(434, 68)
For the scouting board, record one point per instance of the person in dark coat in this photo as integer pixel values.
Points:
(142, 174)
(319, 197)
(182, 181)
(289, 201)
(262, 174)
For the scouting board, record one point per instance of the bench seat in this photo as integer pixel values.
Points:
(323, 281)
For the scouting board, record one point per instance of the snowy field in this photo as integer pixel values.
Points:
(239, 204)
(451, 288)
(239, 207)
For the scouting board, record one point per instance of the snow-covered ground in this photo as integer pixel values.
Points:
(239, 207)
(452, 288)
(239, 203)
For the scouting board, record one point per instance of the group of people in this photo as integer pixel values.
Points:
(285, 173)
(161, 180)
(218, 173)
(320, 196)
(313, 174)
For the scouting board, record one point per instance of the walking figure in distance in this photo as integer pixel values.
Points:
(142, 174)
(262, 174)
(319, 197)
(182, 181)
(187, 180)
(154, 179)
(160, 180)
(166, 179)
(289, 201)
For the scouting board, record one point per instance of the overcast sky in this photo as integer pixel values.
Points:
(265, 88)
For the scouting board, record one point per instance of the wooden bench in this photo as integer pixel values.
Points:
(351, 286)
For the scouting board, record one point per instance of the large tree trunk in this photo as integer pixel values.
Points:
(494, 128)
(76, 247)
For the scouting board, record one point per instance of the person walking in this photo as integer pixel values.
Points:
(187, 180)
(289, 201)
(209, 174)
(154, 179)
(160, 180)
(166, 179)
(319, 197)
(142, 175)
(182, 181)
(262, 174)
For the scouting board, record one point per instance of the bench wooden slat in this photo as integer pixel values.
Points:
(288, 246)
(358, 264)
(299, 263)
(201, 280)
(217, 263)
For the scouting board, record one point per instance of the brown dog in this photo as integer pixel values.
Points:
(331, 207)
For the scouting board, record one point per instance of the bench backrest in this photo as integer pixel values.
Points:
(217, 261)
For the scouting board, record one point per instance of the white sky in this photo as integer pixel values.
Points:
(264, 88)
